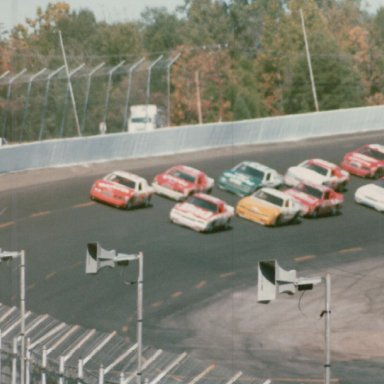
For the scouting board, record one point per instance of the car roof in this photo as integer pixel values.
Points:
(188, 169)
(275, 192)
(377, 147)
(323, 163)
(255, 164)
(210, 198)
(127, 175)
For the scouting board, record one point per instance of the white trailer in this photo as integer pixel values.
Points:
(143, 118)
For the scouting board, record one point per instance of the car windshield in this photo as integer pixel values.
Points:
(372, 153)
(379, 183)
(316, 168)
(182, 175)
(249, 171)
(123, 181)
(310, 191)
(204, 204)
(275, 200)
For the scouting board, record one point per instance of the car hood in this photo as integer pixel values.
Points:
(307, 174)
(173, 182)
(259, 206)
(104, 184)
(361, 159)
(192, 210)
(373, 191)
(302, 198)
(241, 178)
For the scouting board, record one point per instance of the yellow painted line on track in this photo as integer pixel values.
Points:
(176, 294)
(350, 250)
(227, 274)
(124, 328)
(39, 214)
(82, 205)
(302, 381)
(201, 284)
(156, 304)
(8, 224)
(50, 275)
(300, 259)
(31, 286)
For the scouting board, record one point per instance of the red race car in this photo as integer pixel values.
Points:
(316, 200)
(122, 190)
(366, 161)
(181, 181)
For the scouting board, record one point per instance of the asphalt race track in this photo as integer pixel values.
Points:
(200, 289)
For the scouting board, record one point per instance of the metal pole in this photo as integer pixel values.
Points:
(22, 310)
(169, 89)
(14, 361)
(25, 114)
(149, 79)
(140, 283)
(28, 362)
(42, 125)
(44, 366)
(109, 89)
(70, 86)
(66, 97)
(131, 69)
(198, 98)
(327, 365)
(309, 62)
(1, 349)
(94, 70)
(9, 94)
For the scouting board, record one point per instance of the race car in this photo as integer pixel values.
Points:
(202, 213)
(318, 171)
(269, 207)
(366, 161)
(122, 190)
(248, 176)
(371, 195)
(181, 181)
(316, 200)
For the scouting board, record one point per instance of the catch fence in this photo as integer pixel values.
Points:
(37, 106)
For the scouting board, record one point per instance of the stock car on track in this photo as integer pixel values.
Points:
(248, 176)
(316, 200)
(317, 171)
(122, 189)
(366, 161)
(181, 181)
(270, 207)
(202, 213)
(372, 195)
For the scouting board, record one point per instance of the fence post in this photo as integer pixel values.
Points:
(14, 361)
(101, 374)
(44, 366)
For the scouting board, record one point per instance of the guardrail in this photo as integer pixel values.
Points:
(166, 141)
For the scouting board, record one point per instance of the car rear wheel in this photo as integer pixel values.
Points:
(147, 201)
(129, 204)
(379, 173)
(315, 213)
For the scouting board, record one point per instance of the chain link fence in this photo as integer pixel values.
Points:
(38, 106)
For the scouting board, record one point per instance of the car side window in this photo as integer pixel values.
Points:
(326, 195)
(140, 187)
(268, 177)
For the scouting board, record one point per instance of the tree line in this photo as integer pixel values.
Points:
(238, 59)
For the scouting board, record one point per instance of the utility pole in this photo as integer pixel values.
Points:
(198, 98)
(309, 62)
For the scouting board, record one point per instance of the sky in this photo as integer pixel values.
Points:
(13, 12)
(16, 11)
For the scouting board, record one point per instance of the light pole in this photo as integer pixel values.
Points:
(273, 280)
(96, 258)
(5, 255)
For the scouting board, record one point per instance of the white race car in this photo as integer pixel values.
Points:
(318, 171)
(202, 213)
(371, 195)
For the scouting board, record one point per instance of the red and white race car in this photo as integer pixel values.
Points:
(123, 190)
(317, 171)
(202, 213)
(181, 181)
(366, 161)
(316, 200)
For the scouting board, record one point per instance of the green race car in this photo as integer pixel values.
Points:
(247, 177)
